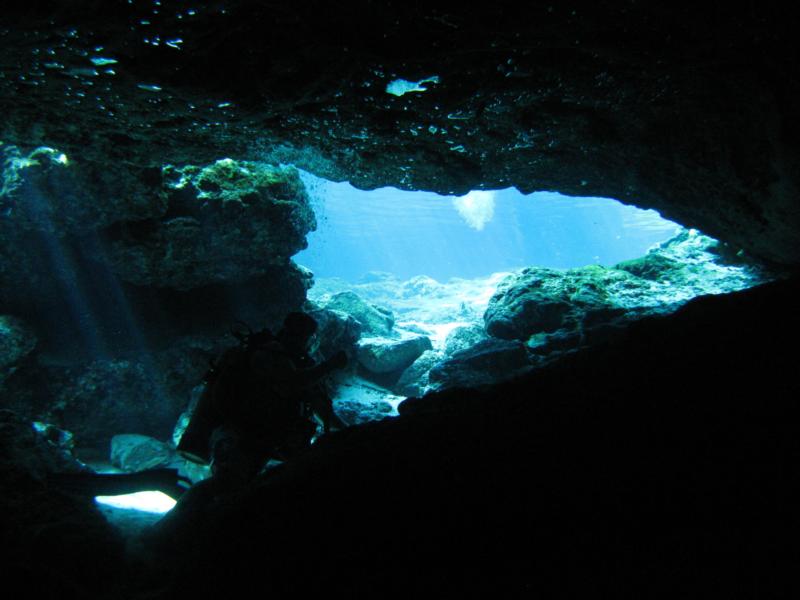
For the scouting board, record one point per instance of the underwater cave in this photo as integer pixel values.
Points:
(515, 384)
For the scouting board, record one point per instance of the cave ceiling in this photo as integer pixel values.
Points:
(689, 111)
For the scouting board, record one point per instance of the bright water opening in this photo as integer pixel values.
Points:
(462, 291)
(422, 233)
(150, 502)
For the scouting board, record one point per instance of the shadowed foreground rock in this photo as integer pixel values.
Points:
(661, 463)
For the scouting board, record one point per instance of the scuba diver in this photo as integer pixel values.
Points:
(262, 401)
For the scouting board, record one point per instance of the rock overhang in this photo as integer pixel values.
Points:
(690, 112)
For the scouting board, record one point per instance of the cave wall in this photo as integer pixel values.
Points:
(690, 111)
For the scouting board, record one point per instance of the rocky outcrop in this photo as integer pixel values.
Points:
(546, 300)
(226, 222)
(556, 309)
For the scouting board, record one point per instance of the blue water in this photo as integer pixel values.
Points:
(422, 233)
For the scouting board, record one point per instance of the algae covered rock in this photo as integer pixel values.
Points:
(226, 222)
(373, 319)
(588, 301)
(545, 300)
(379, 355)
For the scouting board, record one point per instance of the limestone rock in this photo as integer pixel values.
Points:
(488, 361)
(134, 452)
(225, 222)
(380, 355)
(374, 319)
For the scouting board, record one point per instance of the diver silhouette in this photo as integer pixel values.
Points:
(262, 401)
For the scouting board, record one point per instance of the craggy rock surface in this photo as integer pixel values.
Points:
(690, 110)
(223, 223)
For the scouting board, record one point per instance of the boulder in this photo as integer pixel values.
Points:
(134, 452)
(487, 362)
(380, 355)
(374, 320)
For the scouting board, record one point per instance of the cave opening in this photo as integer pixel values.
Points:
(451, 291)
